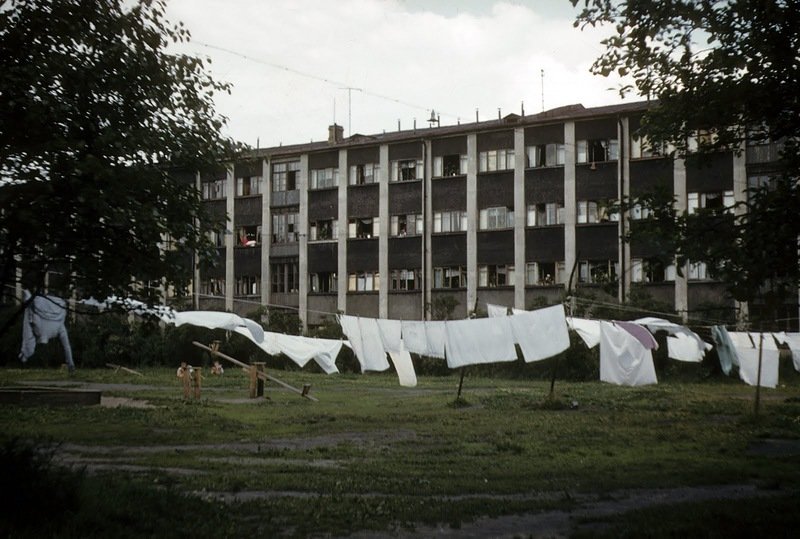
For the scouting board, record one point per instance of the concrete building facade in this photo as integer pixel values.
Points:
(503, 211)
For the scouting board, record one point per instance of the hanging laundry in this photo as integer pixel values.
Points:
(747, 352)
(640, 333)
(435, 332)
(43, 320)
(374, 358)
(684, 348)
(482, 340)
(390, 331)
(623, 359)
(588, 330)
(792, 340)
(424, 338)
(541, 333)
(768, 342)
(415, 339)
(496, 310)
(726, 351)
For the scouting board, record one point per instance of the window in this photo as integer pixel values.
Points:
(249, 236)
(639, 212)
(326, 229)
(284, 176)
(592, 151)
(548, 214)
(597, 271)
(544, 273)
(449, 165)
(648, 271)
(323, 178)
(697, 271)
(642, 147)
(284, 227)
(248, 285)
(449, 221)
(285, 277)
(450, 277)
(212, 287)
(217, 238)
(407, 170)
(496, 218)
(214, 190)
(365, 281)
(701, 139)
(323, 282)
(495, 275)
(603, 211)
(363, 228)
(545, 155)
(406, 225)
(719, 201)
(364, 174)
(403, 279)
(246, 186)
(492, 160)
(587, 211)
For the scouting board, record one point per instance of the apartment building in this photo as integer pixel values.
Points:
(496, 211)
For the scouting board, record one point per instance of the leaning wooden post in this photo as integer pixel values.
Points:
(198, 375)
(460, 383)
(259, 367)
(253, 372)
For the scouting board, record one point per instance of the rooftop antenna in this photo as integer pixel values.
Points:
(349, 107)
(522, 108)
(433, 119)
(542, 74)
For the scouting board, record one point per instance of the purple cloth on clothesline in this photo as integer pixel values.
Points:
(641, 334)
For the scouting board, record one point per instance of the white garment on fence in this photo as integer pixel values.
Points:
(541, 333)
(684, 348)
(482, 340)
(391, 331)
(623, 359)
(588, 330)
(43, 320)
(792, 340)
(496, 310)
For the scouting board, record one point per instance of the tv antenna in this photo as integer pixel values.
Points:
(349, 107)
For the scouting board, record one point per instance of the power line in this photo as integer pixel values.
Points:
(326, 80)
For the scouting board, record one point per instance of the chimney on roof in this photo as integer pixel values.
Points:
(335, 134)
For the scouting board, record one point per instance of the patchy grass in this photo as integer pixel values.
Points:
(373, 456)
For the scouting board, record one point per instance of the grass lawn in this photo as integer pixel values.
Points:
(371, 457)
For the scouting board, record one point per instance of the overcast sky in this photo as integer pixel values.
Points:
(291, 61)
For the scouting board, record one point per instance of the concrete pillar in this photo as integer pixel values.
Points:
(341, 234)
(383, 234)
(681, 282)
(266, 231)
(519, 218)
(472, 222)
(230, 236)
(427, 219)
(570, 205)
(740, 195)
(302, 237)
(623, 195)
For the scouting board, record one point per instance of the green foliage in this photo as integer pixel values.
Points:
(97, 117)
(442, 307)
(714, 67)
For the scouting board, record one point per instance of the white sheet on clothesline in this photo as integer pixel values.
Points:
(623, 359)
(477, 341)
(540, 334)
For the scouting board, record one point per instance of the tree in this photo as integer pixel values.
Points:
(97, 119)
(730, 68)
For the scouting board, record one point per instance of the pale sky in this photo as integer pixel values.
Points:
(290, 62)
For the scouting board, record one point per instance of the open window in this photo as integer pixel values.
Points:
(363, 228)
(249, 236)
(449, 165)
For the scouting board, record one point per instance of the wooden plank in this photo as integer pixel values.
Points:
(261, 375)
(126, 369)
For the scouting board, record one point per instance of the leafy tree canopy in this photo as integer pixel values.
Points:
(730, 67)
(97, 116)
